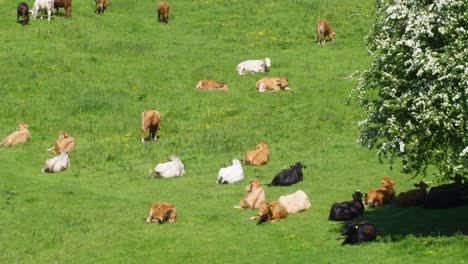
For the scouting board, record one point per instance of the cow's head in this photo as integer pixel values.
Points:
(161, 214)
(264, 212)
(266, 63)
(387, 182)
(22, 126)
(332, 36)
(283, 83)
(236, 162)
(261, 145)
(357, 195)
(421, 185)
(253, 185)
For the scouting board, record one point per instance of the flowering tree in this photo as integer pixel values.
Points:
(415, 92)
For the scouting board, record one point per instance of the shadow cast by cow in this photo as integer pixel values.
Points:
(395, 223)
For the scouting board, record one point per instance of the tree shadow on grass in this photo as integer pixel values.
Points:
(396, 223)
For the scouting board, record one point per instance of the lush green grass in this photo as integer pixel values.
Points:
(92, 76)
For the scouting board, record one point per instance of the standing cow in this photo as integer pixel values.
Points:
(44, 5)
(150, 119)
(323, 31)
(66, 4)
(23, 11)
(101, 5)
(163, 12)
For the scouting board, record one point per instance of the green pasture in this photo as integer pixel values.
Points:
(92, 76)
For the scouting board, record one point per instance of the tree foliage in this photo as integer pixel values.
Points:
(415, 92)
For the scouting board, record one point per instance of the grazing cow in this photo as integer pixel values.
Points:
(323, 31)
(273, 84)
(270, 211)
(448, 195)
(254, 66)
(358, 233)
(254, 197)
(173, 168)
(20, 136)
(57, 164)
(23, 12)
(295, 202)
(259, 156)
(413, 197)
(381, 195)
(163, 12)
(66, 4)
(64, 142)
(231, 174)
(288, 176)
(347, 210)
(150, 119)
(211, 85)
(161, 212)
(101, 6)
(44, 5)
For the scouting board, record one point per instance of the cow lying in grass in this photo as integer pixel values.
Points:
(381, 195)
(358, 233)
(211, 85)
(57, 164)
(270, 211)
(253, 66)
(172, 168)
(272, 84)
(288, 176)
(150, 119)
(259, 156)
(448, 195)
(295, 202)
(161, 212)
(231, 174)
(347, 210)
(254, 197)
(64, 142)
(20, 136)
(413, 197)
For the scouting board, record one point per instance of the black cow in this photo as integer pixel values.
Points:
(288, 176)
(347, 210)
(23, 11)
(358, 233)
(447, 195)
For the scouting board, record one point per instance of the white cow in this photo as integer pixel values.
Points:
(57, 164)
(295, 202)
(253, 66)
(173, 168)
(231, 174)
(45, 6)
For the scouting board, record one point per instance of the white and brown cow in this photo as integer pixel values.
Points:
(323, 31)
(20, 136)
(150, 119)
(273, 84)
(211, 85)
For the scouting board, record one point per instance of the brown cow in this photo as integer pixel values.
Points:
(272, 83)
(211, 85)
(163, 12)
(66, 4)
(162, 212)
(150, 119)
(271, 211)
(323, 31)
(413, 197)
(101, 5)
(20, 136)
(382, 195)
(22, 11)
(259, 156)
(254, 197)
(64, 142)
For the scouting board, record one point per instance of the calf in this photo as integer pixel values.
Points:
(163, 12)
(57, 164)
(381, 195)
(272, 84)
(253, 66)
(358, 233)
(347, 210)
(254, 197)
(44, 5)
(447, 195)
(231, 174)
(66, 4)
(211, 85)
(295, 202)
(161, 212)
(173, 168)
(64, 142)
(323, 31)
(101, 6)
(259, 156)
(23, 12)
(20, 136)
(413, 197)
(270, 211)
(150, 119)
(288, 176)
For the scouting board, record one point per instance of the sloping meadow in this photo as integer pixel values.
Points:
(92, 76)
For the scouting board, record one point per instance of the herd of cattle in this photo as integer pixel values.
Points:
(443, 196)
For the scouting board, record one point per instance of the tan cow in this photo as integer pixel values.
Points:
(323, 31)
(295, 202)
(20, 136)
(259, 156)
(272, 83)
(381, 195)
(211, 85)
(161, 212)
(254, 197)
(150, 119)
(163, 12)
(101, 6)
(64, 142)
(271, 211)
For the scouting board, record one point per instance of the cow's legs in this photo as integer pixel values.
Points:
(153, 131)
(143, 132)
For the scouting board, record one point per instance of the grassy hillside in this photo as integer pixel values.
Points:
(92, 76)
